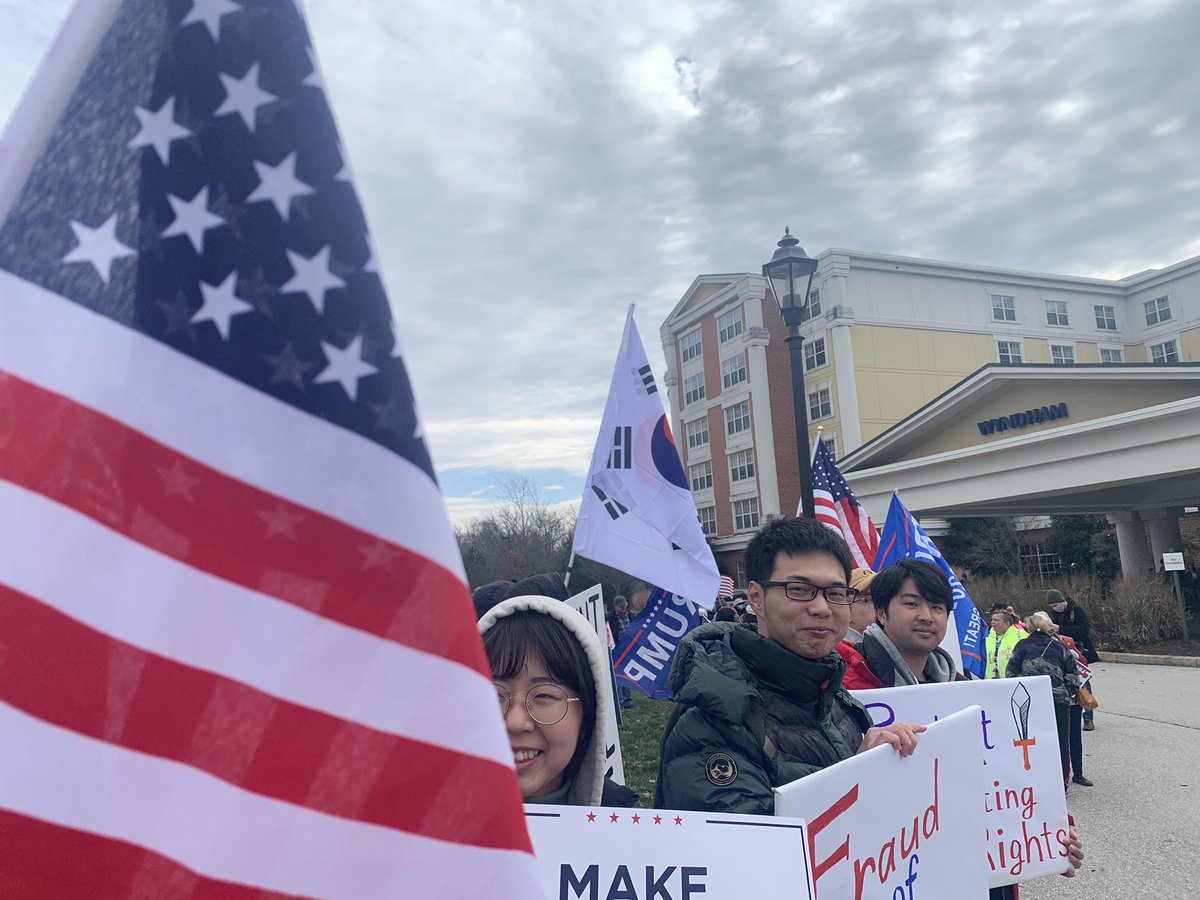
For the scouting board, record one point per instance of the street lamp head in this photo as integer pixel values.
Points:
(790, 272)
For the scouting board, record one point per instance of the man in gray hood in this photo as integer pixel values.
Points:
(913, 601)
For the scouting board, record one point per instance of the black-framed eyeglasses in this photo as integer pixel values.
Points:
(547, 704)
(803, 591)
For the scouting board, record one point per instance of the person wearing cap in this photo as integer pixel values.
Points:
(862, 610)
(1073, 622)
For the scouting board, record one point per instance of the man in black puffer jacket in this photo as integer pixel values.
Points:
(757, 710)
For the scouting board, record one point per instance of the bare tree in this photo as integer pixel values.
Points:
(522, 536)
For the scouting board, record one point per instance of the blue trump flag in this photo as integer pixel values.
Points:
(643, 657)
(903, 538)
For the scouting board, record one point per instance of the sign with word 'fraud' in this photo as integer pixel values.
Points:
(661, 854)
(1020, 782)
(881, 826)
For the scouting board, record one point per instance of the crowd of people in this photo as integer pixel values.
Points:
(760, 692)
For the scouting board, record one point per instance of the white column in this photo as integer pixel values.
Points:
(847, 387)
(670, 389)
(755, 341)
(1163, 525)
(1131, 543)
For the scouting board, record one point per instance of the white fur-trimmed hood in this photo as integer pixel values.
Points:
(589, 781)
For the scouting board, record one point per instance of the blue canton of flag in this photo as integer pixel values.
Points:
(904, 538)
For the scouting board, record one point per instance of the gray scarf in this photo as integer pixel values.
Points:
(938, 669)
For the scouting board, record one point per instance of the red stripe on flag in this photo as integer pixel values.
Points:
(42, 861)
(179, 507)
(63, 672)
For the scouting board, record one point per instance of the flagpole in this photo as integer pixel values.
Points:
(32, 122)
(567, 574)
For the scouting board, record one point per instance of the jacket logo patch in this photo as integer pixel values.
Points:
(720, 769)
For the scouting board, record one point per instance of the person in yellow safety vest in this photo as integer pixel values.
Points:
(1000, 642)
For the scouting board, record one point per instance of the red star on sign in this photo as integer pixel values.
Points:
(678, 820)
(636, 818)
(613, 817)
(658, 820)
(591, 817)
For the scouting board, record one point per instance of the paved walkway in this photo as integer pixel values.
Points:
(1141, 822)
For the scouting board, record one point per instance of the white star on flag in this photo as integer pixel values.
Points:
(177, 482)
(312, 277)
(281, 520)
(220, 305)
(244, 96)
(98, 246)
(345, 366)
(210, 13)
(192, 219)
(158, 130)
(279, 184)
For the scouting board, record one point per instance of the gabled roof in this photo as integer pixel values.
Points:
(899, 441)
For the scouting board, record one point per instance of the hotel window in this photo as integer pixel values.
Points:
(1166, 352)
(1157, 310)
(1009, 351)
(689, 345)
(733, 370)
(1106, 318)
(814, 354)
(1056, 312)
(693, 389)
(1108, 355)
(820, 405)
(1062, 355)
(745, 514)
(814, 306)
(701, 476)
(708, 519)
(1004, 308)
(741, 465)
(737, 418)
(697, 433)
(729, 325)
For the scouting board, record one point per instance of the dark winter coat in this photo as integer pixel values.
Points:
(1075, 624)
(1040, 654)
(750, 716)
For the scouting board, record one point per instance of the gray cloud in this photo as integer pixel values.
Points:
(531, 169)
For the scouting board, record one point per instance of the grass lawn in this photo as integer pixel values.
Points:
(641, 728)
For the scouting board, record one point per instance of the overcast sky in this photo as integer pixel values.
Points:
(532, 168)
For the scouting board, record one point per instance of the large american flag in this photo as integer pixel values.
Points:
(838, 508)
(237, 656)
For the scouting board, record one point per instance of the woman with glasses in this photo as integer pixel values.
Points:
(547, 662)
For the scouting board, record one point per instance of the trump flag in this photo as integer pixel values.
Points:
(904, 538)
(237, 654)
(637, 513)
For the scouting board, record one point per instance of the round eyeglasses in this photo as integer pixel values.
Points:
(547, 704)
(805, 592)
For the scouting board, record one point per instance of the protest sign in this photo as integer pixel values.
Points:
(646, 650)
(660, 854)
(590, 604)
(883, 827)
(1021, 780)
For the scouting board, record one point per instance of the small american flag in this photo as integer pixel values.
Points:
(726, 588)
(237, 656)
(838, 508)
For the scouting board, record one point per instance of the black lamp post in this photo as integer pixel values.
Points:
(790, 272)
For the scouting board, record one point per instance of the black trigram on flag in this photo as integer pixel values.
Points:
(622, 452)
(612, 506)
(648, 380)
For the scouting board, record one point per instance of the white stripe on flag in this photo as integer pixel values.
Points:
(227, 833)
(221, 422)
(151, 601)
